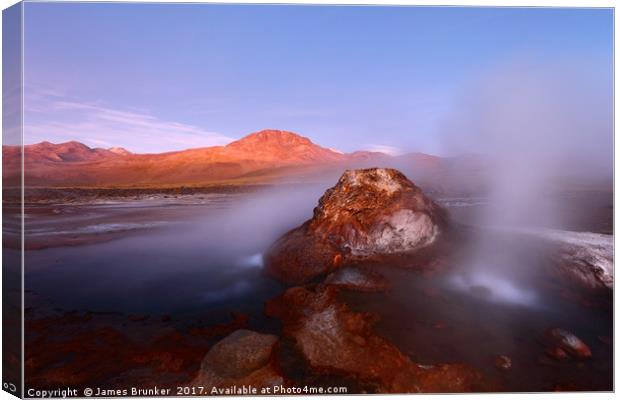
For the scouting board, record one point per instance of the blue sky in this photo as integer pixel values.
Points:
(158, 77)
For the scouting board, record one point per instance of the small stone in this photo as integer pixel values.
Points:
(503, 362)
(570, 343)
(242, 358)
(240, 353)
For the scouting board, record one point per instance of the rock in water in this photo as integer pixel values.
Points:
(242, 358)
(585, 258)
(368, 213)
(335, 340)
(503, 362)
(569, 343)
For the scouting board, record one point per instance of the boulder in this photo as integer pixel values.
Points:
(242, 358)
(335, 340)
(368, 213)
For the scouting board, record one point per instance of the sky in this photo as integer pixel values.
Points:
(163, 77)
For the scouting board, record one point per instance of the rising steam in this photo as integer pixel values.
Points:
(543, 129)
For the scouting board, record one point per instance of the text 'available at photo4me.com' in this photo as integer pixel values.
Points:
(243, 390)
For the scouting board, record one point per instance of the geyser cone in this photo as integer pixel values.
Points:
(367, 214)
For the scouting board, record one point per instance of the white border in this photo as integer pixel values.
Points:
(478, 3)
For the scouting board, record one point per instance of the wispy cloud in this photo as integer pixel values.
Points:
(57, 118)
(382, 148)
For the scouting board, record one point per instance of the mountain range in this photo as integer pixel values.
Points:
(260, 157)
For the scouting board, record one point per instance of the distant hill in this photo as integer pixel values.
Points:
(260, 157)
(63, 152)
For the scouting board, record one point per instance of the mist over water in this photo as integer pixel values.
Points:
(259, 219)
(200, 257)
